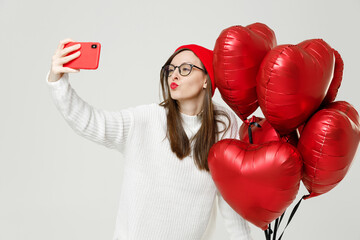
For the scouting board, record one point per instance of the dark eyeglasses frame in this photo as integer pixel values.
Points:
(191, 65)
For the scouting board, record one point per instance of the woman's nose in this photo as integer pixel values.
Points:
(176, 74)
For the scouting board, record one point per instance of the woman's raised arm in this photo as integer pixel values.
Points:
(104, 127)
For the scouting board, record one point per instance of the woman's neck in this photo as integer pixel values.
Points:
(190, 107)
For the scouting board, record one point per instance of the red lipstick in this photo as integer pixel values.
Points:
(173, 85)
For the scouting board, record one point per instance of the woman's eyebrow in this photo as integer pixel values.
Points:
(182, 63)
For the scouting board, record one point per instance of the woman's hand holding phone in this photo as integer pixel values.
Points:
(60, 58)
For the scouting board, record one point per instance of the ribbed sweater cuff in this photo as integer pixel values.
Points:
(62, 83)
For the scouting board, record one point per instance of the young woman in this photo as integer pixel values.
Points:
(167, 190)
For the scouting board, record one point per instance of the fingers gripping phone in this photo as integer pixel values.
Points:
(89, 55)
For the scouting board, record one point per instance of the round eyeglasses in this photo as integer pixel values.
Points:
(184, 69)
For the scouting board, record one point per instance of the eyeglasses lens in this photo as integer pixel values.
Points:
(169, 69)
(185, 69)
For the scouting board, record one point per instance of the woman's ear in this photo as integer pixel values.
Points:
(205, 84)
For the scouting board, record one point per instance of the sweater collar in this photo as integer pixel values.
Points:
(192, 121)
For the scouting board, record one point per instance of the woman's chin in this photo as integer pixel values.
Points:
(175, 96)
(180, 97)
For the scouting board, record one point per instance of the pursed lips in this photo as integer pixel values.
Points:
(173, 85)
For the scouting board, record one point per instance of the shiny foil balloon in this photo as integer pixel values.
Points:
(293, 81)
(264, 133)
(259, 181)
(238, 53)
(328, 144)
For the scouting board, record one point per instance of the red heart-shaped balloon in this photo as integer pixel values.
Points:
(264, 133)
(328, 143)
(293, 81)
(238, 53)
(258, 181)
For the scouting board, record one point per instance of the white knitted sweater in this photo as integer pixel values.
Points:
(162, 197)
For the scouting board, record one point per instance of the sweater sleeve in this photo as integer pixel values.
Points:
(103, 127)
(237, 227)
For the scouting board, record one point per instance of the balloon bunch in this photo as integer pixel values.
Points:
(305, 135)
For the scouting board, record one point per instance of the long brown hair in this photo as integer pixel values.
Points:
(208, 132)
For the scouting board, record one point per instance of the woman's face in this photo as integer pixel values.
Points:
(192, 86)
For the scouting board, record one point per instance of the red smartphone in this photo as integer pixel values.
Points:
(89, 55)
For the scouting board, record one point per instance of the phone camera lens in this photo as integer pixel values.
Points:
(94, 46)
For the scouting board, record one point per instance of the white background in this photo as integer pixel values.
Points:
(56, 185)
